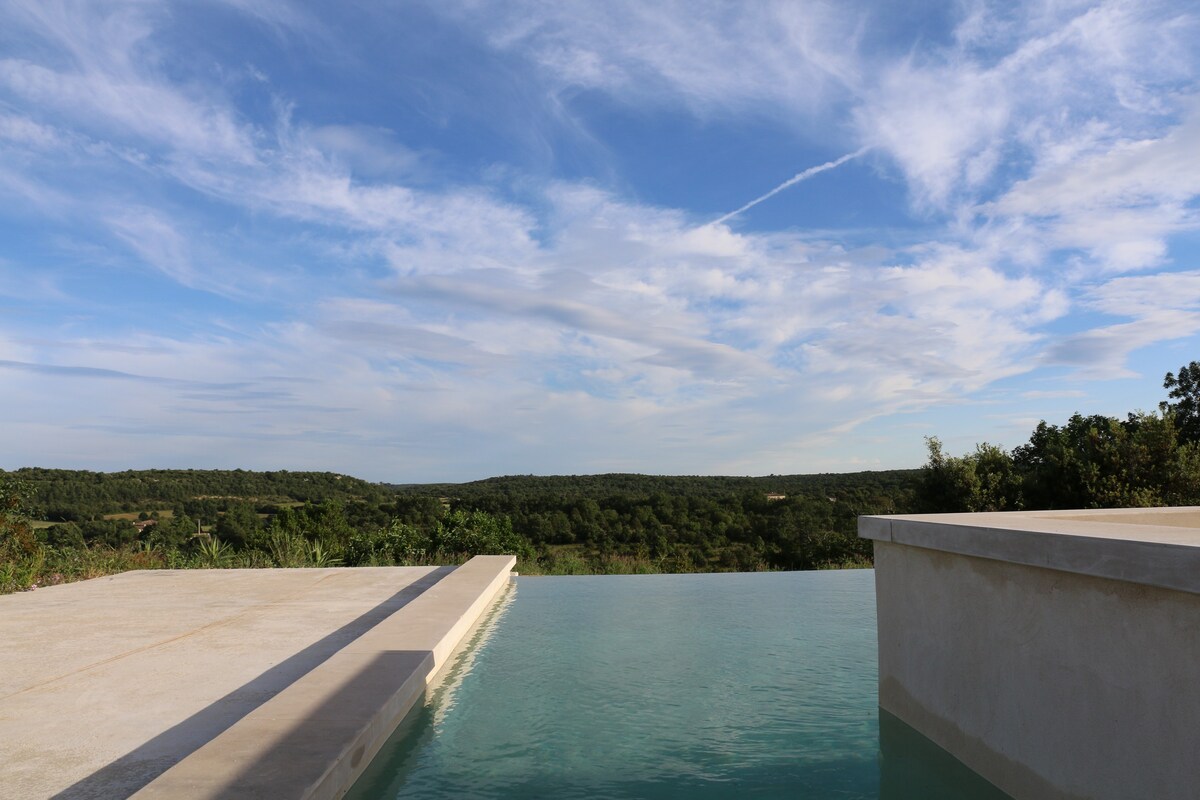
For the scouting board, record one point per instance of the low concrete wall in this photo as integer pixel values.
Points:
(1054, 653)
(314, 739)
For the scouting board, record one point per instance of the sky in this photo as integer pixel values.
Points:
(440, 241)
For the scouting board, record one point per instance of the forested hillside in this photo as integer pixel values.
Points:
(64, 495)
(884, 483)
(686, 523)
(64, 524)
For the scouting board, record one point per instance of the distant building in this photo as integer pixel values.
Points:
(775, 496)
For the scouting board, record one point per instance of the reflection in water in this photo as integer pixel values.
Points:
(912, 767)
(443, 698)
(387, 775)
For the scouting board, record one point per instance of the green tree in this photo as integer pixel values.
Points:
(397, 543)
(473, 533)
(21, 555)
(238, 525)
(1184, 389)
(327, 524)
(65, 536)
(1103, 462)
(174, 532)
(985, 480)
(113, 533)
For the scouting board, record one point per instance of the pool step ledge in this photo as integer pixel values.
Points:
(313, 739)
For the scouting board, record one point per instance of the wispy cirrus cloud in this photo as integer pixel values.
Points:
(709, 56)
(1103, 352)
(1119, 204)
(1157, 307)
(1026, 80)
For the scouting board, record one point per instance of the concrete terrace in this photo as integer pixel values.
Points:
(223, 683)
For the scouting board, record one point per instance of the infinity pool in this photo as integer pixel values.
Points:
(668, 686)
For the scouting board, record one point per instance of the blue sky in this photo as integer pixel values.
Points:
(441, 241)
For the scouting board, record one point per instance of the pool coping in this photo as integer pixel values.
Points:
(1153, 546)
(313, 739)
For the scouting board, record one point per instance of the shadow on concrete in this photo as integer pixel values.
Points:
(135, 769)
(377, 710)
(299, 761)
(387, 774)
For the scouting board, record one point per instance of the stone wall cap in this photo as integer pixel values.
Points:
(1151, 546)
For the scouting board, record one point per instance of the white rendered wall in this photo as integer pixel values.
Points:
(1049, 683)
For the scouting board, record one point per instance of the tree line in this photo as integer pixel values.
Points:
(1095, 461)
(62, 495)
(76, 524)
(622, 522)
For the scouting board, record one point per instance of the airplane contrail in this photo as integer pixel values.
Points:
(792, 181)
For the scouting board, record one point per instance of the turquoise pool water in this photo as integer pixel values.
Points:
(668, 686)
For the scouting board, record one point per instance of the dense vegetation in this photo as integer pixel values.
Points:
(64, 495)
(622, 523)
(1146, 459)
(63, 525)
(59, 525)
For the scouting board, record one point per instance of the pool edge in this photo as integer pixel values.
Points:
(314, 739)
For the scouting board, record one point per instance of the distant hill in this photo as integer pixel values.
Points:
(70, 524)
(617, 483)
(70, 494)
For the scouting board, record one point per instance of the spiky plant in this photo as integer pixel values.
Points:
(212, 552)
(318, 556)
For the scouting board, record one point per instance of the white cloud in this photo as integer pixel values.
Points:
(124, 104)
(1147, 294)
(366, 151)
(156, 242)
(1119, 204)
(949, 118)
(1103, 352)
(942, 125)
(1128, 173)
(709, 56)
(579, 326)
(1051, 394)
(27, 132)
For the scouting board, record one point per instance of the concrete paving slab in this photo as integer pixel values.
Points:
(107, 684)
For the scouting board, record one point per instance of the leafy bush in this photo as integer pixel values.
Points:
(474, 533)
(397, 544)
